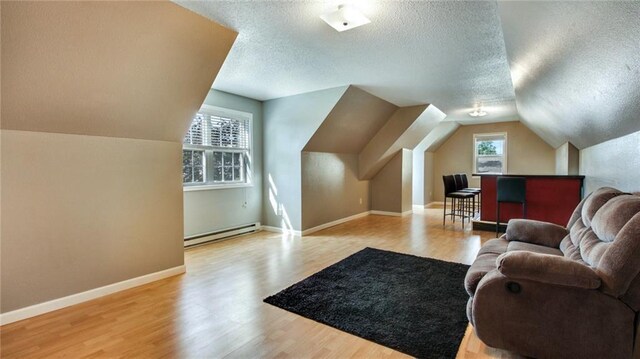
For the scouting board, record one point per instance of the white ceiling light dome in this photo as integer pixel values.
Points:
(478, 111)
(346, 17)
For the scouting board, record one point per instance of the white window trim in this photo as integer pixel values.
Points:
(229, 113)
(504, 150)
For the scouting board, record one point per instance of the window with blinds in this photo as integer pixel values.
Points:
(215, 131)
(216, 150)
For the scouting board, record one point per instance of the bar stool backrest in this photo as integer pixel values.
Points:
(511, 189)
(449, 184)
(465, 181)
(459, 183)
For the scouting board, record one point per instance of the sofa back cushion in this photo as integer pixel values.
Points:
(595, 201)
(607, 235)
(614, 215)
(617, 224)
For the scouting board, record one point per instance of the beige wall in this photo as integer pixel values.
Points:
(567, 159)
(526, 153)
(391, 187)
(428, 177)
(406, 128)
(351, 124)
(423, 161)
(331, 189)
(118, 69)
(80, 212)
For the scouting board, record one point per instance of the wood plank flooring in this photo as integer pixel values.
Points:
(215, 310)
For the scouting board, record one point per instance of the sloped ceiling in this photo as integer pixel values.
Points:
(437, 136)
(354, 120)
(572, 68)
(575, 68)
(406, 128)
(117, 69)
(450, 54)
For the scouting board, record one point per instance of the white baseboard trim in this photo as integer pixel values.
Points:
(281, 230)
(50, 306)
(334, 223)
(385, 213)
(393, 214)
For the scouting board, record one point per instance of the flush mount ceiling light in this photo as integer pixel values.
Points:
(345, 18)
(477, 111)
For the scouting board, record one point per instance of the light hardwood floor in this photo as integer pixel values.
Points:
(215, 310)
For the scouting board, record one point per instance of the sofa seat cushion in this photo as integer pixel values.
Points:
(495, 246)
(483, 264)
(535, 248)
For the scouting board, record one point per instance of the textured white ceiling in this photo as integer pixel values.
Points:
(575, 68)
(450, 54)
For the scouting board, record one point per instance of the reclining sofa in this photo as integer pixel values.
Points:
(546, 291)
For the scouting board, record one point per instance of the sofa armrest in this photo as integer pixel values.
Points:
(536, 232)
(547, 268)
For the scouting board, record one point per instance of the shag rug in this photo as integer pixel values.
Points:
(411, 304)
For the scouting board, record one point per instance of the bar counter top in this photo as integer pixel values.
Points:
(533, 176)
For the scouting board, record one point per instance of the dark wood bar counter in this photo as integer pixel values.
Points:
(550, 198)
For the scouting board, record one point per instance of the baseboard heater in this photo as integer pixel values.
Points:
(221, 234)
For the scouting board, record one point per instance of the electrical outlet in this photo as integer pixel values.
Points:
(360, 200)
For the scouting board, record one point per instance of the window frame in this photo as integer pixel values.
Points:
(209, 150)
(204, 163)
(505, 151)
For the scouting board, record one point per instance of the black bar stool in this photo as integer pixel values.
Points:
(510, 190)
(450, 192)
(478, 191)
(462, 185)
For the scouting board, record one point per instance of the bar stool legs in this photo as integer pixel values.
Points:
(459, 201)
(460, 207)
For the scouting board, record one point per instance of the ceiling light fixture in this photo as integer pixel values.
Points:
(477, 111)
(345, 18)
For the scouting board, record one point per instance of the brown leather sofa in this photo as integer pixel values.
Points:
(546, 291)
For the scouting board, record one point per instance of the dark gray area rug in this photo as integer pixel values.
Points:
(412, 304)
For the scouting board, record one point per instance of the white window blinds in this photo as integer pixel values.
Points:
(195, 135)
(225, 132)
(219, 132)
